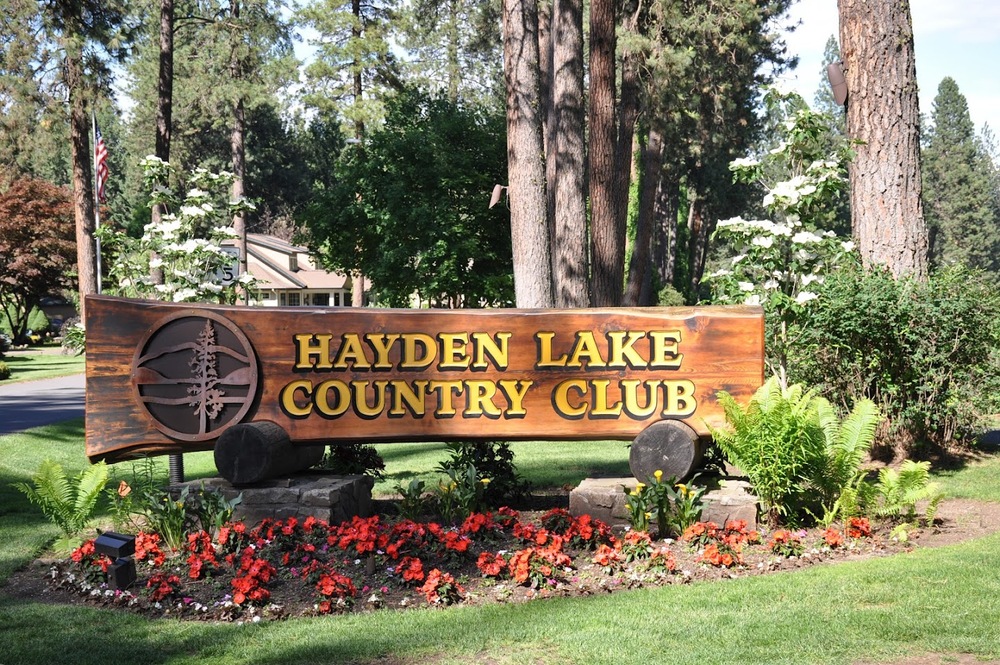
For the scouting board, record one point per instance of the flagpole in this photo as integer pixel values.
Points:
(97, 200)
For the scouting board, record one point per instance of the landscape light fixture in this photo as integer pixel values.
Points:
(120, 548)
(835, 73)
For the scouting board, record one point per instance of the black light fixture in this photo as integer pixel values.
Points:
(120, 548)
(835, 73)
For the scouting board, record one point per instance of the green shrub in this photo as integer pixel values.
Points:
(4, 371)
(925, 352)
(354, 459)
(492, 460)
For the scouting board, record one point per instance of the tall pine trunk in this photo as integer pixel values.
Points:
(83, 182)
(566, 157)
(607, 244)
(526, 156)
(639, 290)
(164, 92)
(876, 43)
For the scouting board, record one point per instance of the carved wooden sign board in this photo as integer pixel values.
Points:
(170, 378)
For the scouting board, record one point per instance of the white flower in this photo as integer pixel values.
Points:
(803, 237)
(721, 273)
(780, 148)
(848, 245)
(805, 296)
(771, 284)
(743, 163)
(809, 278)
(192, 211)
(763, 241)
(732, 221)
(736, 259)
(184, 294)
(196, 193)
(781, 230)
(746, 286)
(752, 300)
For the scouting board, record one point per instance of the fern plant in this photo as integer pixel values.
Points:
(847, 443)
(898, 492)
(68, 503)
(778, 442)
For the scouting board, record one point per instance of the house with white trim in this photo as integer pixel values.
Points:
(287, 274)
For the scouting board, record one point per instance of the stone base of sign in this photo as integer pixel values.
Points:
(604, 498)
(331, 498)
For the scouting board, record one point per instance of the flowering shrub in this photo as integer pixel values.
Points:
(832, 537)
(776, 263)
(859, 527)
(201, 560)
(94, 566)
(162, 586)
(441, 588)
(184, 247)
(785, 543)
(251, 579)
(720, 547)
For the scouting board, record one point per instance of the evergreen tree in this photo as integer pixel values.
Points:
(959, 186)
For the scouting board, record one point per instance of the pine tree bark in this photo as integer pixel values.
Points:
(526, 157)
(638, 290)
(164, 93)
(607, 245)
(876, 42)
(83, 182)
(566, 157)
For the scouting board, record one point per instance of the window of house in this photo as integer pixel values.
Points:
(293, 263)
(293, 299)
(336, 299)
(321, 299)
(266, 295)
(281, 299)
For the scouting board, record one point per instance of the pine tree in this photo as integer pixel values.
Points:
(959, 196)
(887, 216)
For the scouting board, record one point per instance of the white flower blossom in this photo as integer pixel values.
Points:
(196, 193)
(743, 163)
(804, 237)
(848, 245)
(184, 294)
(809, 278)
(746, 286)
(805, 296)
(752, 300)
(771, 284)
(781, 230)
(193, 211)
(732, 221)
(721, 273)
(763, 241)
(736, 259)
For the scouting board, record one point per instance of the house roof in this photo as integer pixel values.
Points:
(268, 260)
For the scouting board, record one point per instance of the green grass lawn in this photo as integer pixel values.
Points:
(931, 601)
(33, 366)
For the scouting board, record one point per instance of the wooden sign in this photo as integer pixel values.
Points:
(170, 378)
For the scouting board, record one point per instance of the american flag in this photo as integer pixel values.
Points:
(101, 162)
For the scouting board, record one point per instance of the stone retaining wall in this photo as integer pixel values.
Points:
(331, 498)
(604, 498)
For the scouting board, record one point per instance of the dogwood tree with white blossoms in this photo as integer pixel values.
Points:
(779, 265)
(180, 258)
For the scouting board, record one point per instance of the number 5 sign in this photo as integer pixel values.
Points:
(228, 273)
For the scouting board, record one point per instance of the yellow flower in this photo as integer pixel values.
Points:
(485, 481)
(658, 474)
(639, 486)
(682, 488)
(649, 515)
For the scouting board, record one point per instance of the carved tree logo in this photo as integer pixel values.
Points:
(195, 373)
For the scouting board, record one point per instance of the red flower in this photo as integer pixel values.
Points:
(832, 537)
(491, 565)
(859, 527)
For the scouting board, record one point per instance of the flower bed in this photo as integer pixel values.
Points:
(277, 569)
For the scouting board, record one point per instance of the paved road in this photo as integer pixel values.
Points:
(35, 403)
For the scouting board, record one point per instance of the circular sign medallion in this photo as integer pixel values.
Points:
(194, 373)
